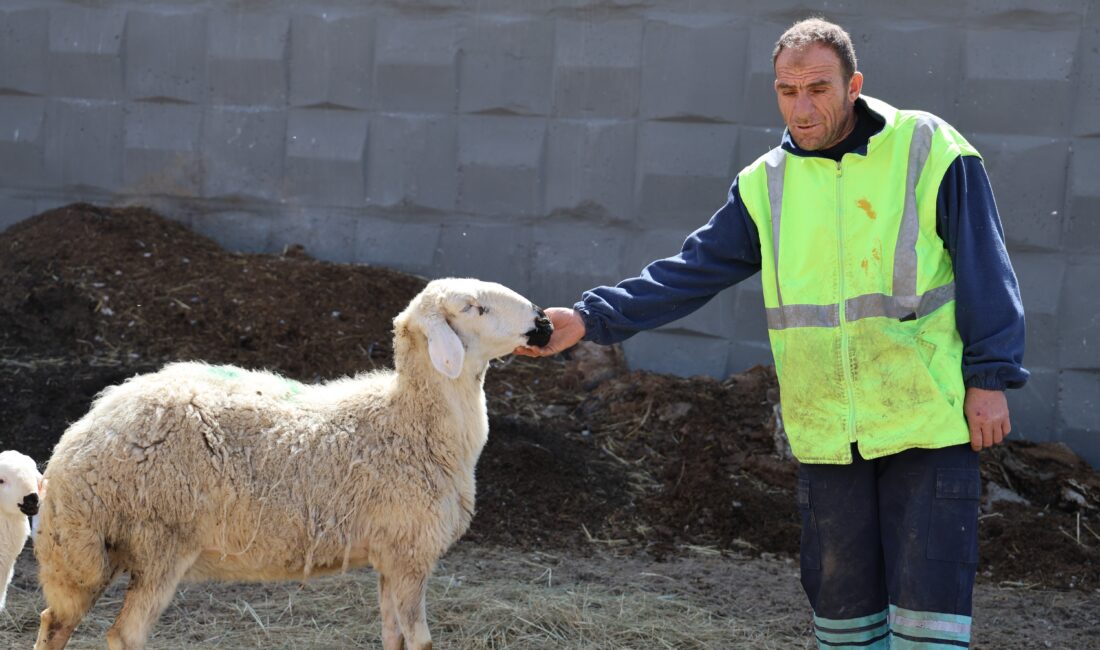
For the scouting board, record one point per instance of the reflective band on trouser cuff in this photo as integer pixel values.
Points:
(868, 632)
(788, 316)
(897, 307)
(912, 629)
(905, 251)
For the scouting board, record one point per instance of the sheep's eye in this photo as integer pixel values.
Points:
(1, 481)
(482, 310)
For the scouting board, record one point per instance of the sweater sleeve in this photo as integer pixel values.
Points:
(721, 253)
(988, 311)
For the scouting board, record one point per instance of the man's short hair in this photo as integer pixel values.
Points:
(817, 30)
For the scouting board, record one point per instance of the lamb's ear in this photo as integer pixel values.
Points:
(444, 346)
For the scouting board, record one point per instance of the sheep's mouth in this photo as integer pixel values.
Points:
(29, 505)
(540, 335)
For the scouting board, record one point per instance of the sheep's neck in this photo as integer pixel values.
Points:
(459, 402)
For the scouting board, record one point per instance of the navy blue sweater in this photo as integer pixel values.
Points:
(988, 311)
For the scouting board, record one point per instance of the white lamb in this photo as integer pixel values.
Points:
(19, 486)
(201, 472)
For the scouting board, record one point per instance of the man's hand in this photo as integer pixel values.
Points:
(568, 329)
(987, 415)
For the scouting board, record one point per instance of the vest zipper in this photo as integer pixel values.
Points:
(844, 353)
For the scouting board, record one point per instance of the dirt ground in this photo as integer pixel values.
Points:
(612, 471)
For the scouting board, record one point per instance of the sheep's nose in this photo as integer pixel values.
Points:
(540, 336)
(29, 506)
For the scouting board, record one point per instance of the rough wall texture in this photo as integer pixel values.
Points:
(548, 145)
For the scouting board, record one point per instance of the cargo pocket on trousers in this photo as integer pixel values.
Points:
(810, 544)
(953, 528)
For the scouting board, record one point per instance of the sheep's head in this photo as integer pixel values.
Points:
(19, 484)
(470, 320)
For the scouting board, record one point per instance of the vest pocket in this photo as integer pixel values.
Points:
(953, 527)
(810, 543)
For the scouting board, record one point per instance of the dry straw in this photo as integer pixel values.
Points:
(341, 612)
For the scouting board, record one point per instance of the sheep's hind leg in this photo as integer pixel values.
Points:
(67, 605)
(391, 627)
(151, 589)
(409, 590)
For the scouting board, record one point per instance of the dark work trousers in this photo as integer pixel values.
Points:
(890, 548)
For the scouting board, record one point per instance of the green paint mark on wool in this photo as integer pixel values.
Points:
(229, 372)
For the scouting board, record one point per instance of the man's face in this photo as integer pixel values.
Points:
(816, 102)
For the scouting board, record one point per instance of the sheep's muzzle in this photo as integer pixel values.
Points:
(540, 336)
(29, 505)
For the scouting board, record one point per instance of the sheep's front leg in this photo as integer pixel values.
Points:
(391, 627)
(409, 589)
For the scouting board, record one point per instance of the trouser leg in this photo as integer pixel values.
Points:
(928, 513)
(841, 555)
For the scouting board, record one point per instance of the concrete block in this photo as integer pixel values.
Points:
(24, 50)
(15, 209)
(1029, 183)
(1079, 400)
(746, 354)
(247, 59)
(673, 55)
(326, 155)
(1030, 92)
(1041, 276)
(397, 244)
(236, 230)
(758, 107)
(86, 52)
(753, 142)
(493, 252)
(84, 144)
(597, 67)
(900, 64)
(500, 162)
(1033, 408)
(1085, 442)
(412, 161)
(640, 247)
(331, 60)
(161, 149)
(684, 171)
(590, 168)
(166, 55)
(328, 235)
(566, 257)
(22, 140)
(244, 151)
(416, 63)
(1086, 119)
(676, 353)
(1082, 224)
(507, 66)
(1078, 315)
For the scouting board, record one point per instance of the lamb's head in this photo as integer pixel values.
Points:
(468, 322)
(19, 484)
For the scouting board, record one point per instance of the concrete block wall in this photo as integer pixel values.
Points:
(550, 146)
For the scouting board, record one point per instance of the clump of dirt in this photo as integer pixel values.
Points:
(578, 457)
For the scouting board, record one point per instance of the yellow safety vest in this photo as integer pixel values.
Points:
(860, 292)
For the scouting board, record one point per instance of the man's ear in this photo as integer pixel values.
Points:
(444, 347)
(855, 86)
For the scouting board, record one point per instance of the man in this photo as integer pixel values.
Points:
(896, 325)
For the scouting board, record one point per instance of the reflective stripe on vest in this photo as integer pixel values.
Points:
(904, 304)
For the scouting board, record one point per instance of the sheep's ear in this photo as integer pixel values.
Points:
(444, 346)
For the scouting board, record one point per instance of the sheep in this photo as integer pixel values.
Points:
(20, 483)
(200, 472)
